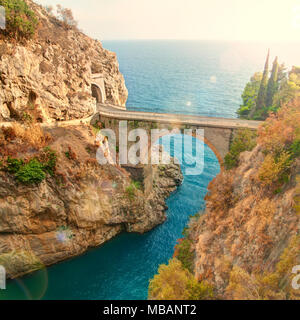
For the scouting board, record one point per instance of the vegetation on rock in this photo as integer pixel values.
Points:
(280, 140)
(275, 285)
(21, 21)
(249, 95)
(173, 282)
(248, 206)
(264, 95)
(33, 170)
(132, 188)
(66, 16)
(245, 140)
(185, 254)
(18, 139)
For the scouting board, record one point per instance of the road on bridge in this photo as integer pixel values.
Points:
(123, 114)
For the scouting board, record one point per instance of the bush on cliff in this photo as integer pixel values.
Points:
(14, 165)
(173, 282)
(132, 188)
(21, 21)
(249, 95)
(33, 171)
(245, 140)
(185, 254)
(30, 173)
(280, 141)
(275, 169)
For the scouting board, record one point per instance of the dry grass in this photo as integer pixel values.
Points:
(33, 135)
(19, 139)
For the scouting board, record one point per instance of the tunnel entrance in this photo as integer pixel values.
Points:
(96, 93)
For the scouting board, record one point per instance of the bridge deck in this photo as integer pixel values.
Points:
(123, 114)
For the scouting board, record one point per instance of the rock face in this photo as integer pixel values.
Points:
(82, 206)
(50, 76)
(244, 225)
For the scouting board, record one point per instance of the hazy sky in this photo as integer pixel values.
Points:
(248, 20)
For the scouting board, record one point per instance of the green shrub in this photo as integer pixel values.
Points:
(21, 22)
(245, 140)
(131, 190)
(35, 170)
(137, 185)
(295, 148)
(13, 165)
(185, 254)
(32, 172)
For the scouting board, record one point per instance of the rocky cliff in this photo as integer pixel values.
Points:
(247, 242)
(245, 228)
(56, 201)
(81, 205)
(49, 77)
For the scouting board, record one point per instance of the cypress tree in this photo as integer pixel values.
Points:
(261, 98)
(273, 84)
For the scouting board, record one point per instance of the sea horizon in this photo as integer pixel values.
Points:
(194, 77)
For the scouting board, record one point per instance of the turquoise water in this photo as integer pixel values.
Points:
(203, 78)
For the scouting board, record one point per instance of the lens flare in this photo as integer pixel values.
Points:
(37, 282)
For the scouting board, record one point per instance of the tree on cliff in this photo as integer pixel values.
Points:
(279, 90)
(249, 95)
(261, 98)
(66, 16)
(289, 88)
(273, 84)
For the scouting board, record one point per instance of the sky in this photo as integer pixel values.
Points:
(227, 20)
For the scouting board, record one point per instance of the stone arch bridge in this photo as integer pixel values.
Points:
(218, 132)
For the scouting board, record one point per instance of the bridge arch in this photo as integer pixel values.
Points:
(206, 141)
(98, 93)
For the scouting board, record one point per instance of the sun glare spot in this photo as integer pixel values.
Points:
(213, 79)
